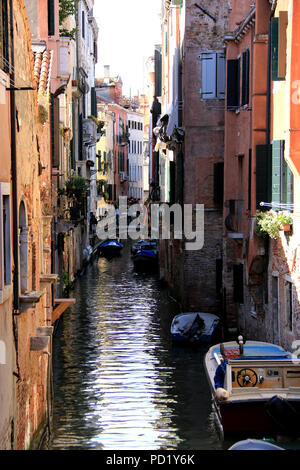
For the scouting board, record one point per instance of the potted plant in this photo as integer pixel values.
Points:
(270, 223)
(285, 221)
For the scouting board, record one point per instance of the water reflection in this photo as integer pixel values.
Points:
(118, 381)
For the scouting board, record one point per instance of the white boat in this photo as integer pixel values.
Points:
(255, 388)
(194, 327)
(254, 444)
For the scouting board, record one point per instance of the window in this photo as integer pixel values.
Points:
(212, 75)
(245, 77)
(218, 183)
(233, 84)
(238, 283)
(282, 177)
(5, 238)
(278, 46)
(4, 54)
(83, 24)
(51, 18)
(274, 179)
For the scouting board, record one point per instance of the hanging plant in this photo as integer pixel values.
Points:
(66, 9)
(270, 223)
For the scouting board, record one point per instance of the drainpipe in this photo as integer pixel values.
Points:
(14, 170)
(269, 81)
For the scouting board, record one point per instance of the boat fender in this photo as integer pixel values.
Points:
(220, 374)
(222, 394)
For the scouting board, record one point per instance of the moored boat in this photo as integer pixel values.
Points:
(146, 259)
(110, 247)
(146, 244)
(254, 444)
(194, 327)
(255, 388)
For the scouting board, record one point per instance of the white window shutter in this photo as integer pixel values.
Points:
(221, 64)
(208, 75)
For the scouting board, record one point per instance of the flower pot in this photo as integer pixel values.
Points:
(285, 227)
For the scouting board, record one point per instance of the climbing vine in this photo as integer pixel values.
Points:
(66, 9)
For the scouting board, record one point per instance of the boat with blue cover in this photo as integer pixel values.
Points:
(146, 258)
(255, 388)
(110, 247)
(194, 327)
(140, 244)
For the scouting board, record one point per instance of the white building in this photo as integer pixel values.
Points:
(135, 155)
(88, 135)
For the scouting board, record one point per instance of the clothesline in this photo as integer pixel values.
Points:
(280, 205)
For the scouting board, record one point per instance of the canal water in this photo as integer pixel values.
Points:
(119, 383)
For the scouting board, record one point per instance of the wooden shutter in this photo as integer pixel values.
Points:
(55, 132)
(157, 67)
(289, 186)
(283, 22)
(233, 84)
(51, 18)
(249, 179)
(93, 102)
(245, 77)
(275, 49)
(208, 75)
(263, 174)
(221, 75)
(282, 176)
(276, 171)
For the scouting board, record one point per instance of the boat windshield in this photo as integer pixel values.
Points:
(258, 352)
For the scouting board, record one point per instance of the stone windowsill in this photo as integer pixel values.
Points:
(29, 299)
(48, 278)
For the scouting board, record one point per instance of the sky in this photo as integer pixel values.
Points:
(128, 31)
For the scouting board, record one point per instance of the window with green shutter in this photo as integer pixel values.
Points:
(275, 49)
(274, 178)
(282, 176)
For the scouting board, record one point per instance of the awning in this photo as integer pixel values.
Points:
(172, 120)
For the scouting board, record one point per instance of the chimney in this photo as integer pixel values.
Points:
(106, 73)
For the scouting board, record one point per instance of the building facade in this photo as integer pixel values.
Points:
(192, 129)
(135, 123)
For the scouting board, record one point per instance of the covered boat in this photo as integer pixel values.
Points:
(110, 247)
(139, 245)
(194, 327)
(254, 444)
(255, 388)
(146, 258)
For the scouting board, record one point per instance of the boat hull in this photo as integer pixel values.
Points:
(144, 261)
(252, 418)
(110, 248)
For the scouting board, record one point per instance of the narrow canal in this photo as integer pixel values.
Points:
(119, 383)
